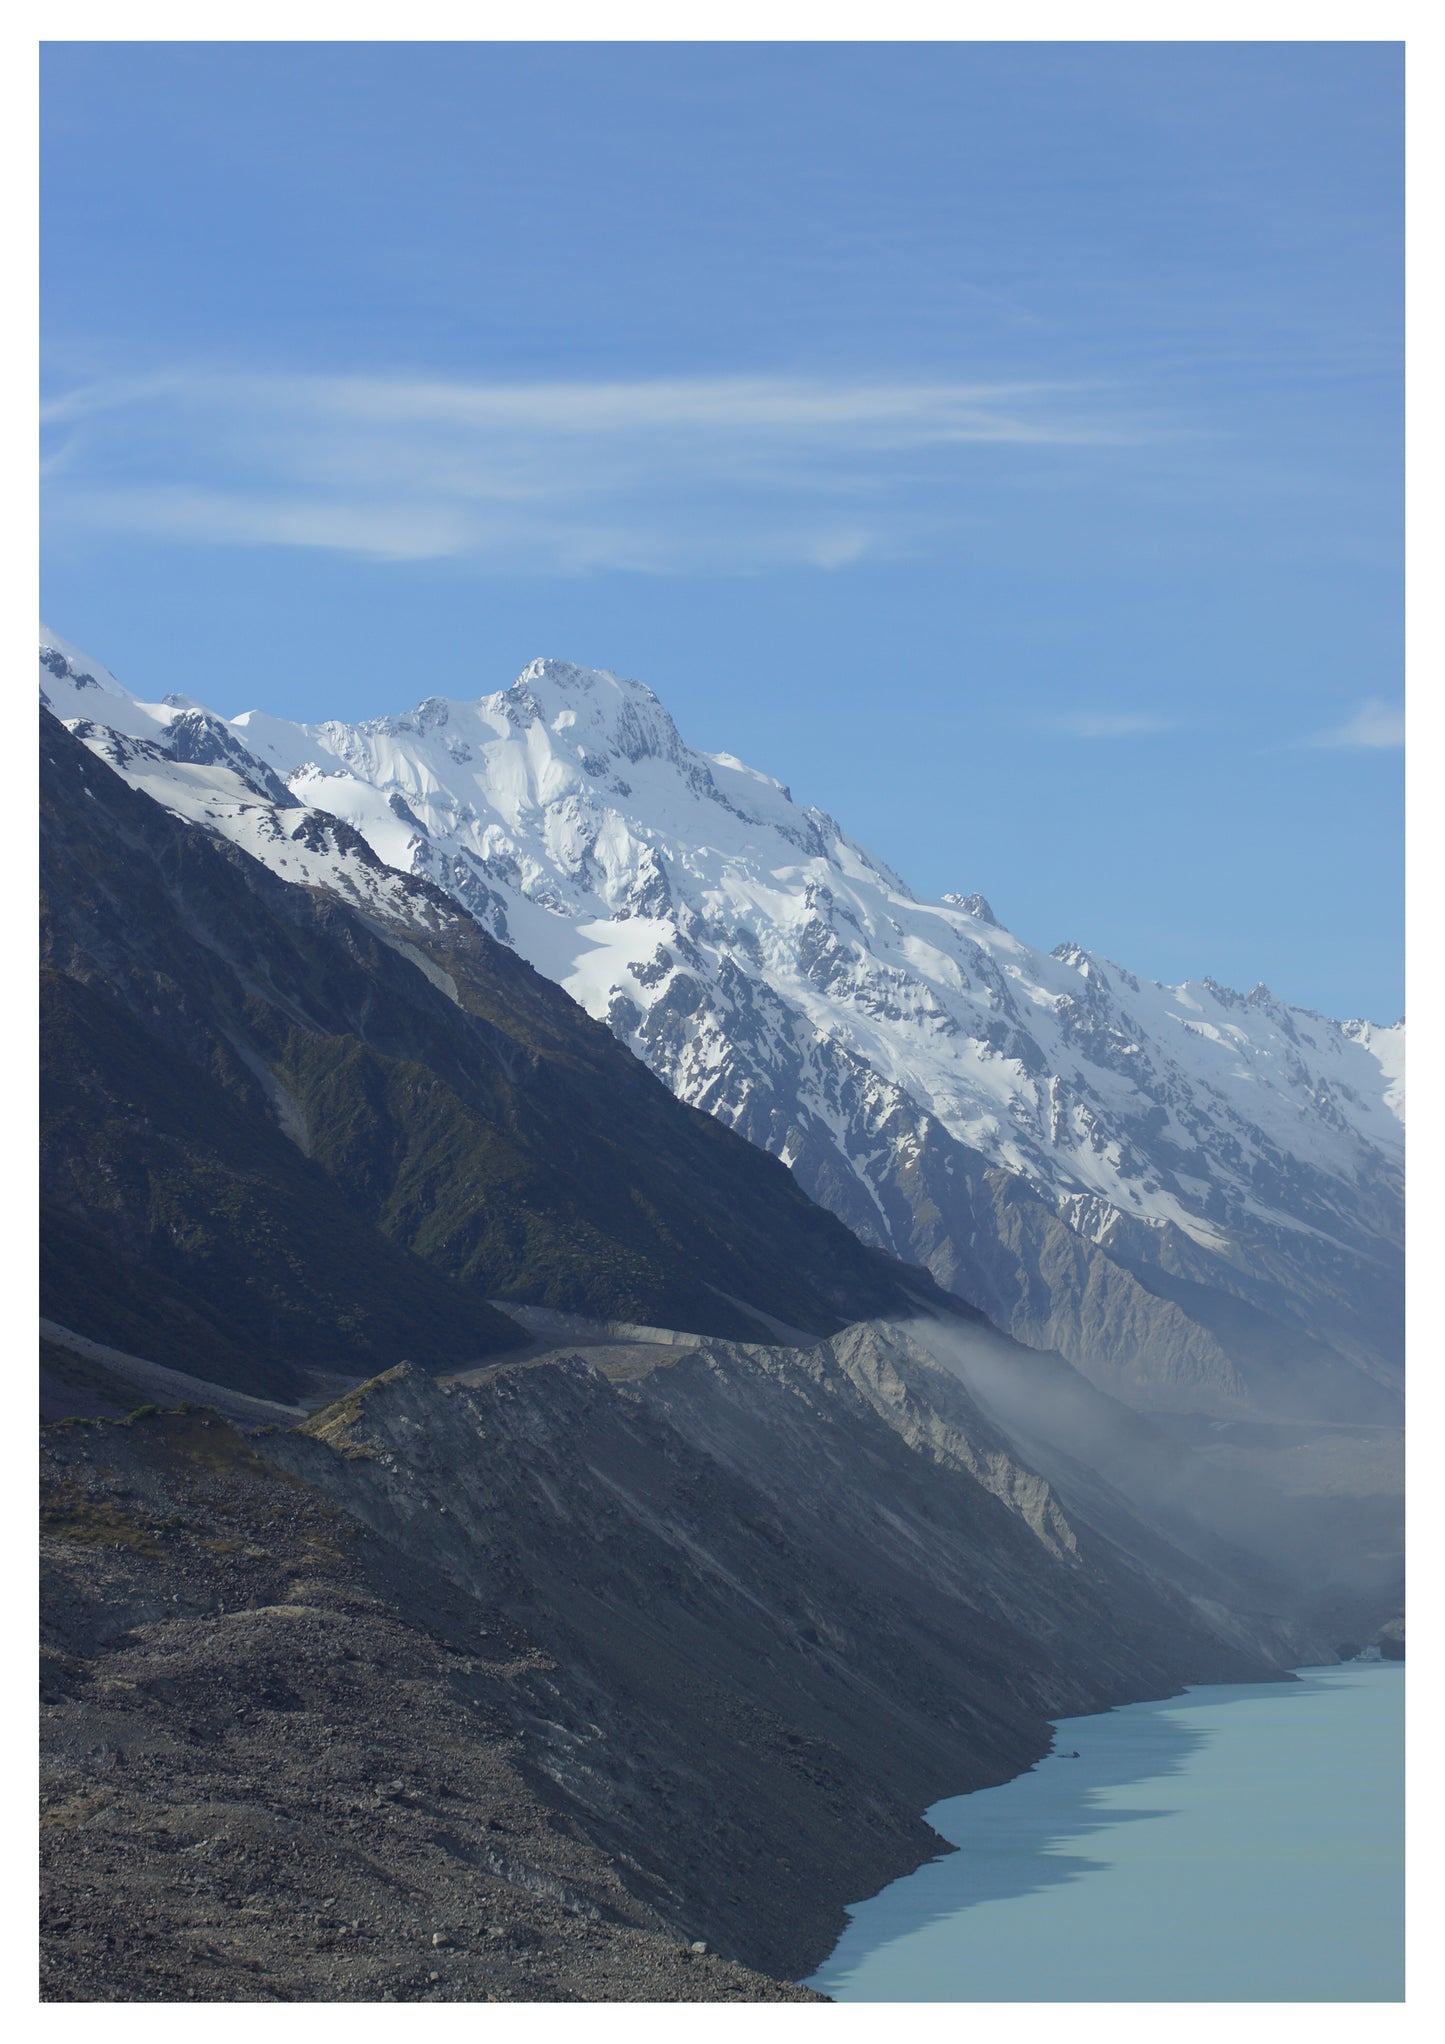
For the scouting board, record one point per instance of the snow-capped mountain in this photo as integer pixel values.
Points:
(1195, 1194)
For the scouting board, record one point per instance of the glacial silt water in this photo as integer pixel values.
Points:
(1235, 1843)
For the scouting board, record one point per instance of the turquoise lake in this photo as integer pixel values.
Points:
(1236, 1843)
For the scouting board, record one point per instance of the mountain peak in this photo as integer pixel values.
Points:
(777, 976)
(973, 905)
(67, 663)
(565, 679)
(566, 674)
(592, 708)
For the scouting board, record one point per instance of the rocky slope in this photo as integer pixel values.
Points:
(1301, 1519)
(280, 1762)
(793, 1608)
(571, 1670)
(1193, 1194)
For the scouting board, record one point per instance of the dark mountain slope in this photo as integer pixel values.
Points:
(574, 1672)
(782, 1612)
(278, 1762)
(279, 1138)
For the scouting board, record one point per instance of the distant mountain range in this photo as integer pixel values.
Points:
(1195, 1195)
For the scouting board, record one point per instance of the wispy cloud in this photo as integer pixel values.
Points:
(1111, 724)
(401, 532)
(662, 474)
(1375, 727)
(900, 413)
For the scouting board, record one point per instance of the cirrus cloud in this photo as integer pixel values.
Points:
(1112, 724)
(1375, 727)
(664, 474)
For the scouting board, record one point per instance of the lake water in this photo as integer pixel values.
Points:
(1236, 1843)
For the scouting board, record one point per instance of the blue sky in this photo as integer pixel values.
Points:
(999, 443)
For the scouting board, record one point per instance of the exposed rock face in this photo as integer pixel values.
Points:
(586, 1664)
(1193, 1194)
(795, 1600)
(1282, 1531)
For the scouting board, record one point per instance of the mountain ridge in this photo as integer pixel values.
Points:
(1194, 1194)
(283, 1130)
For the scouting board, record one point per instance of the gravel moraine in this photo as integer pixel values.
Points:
(269, 1775)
